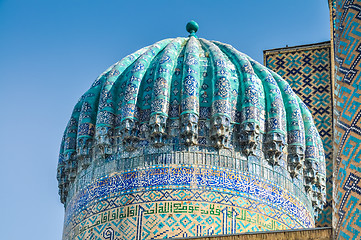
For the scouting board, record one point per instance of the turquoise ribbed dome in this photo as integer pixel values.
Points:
(193, 94)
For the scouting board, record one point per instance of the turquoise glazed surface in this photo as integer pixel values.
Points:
(346, 21)
(182, 105)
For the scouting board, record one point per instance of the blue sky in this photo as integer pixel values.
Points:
(51, 52)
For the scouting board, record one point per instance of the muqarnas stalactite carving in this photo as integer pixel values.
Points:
(220, 131)
(189, 130)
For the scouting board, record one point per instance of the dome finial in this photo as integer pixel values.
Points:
(192, 28)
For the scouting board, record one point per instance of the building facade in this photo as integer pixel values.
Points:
(179, 139)
(345, 38)
(343, 91)
(308, 70)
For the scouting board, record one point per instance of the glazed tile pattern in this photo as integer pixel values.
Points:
(307, 69)
(181, 201)
(135, 157)
(346, 22)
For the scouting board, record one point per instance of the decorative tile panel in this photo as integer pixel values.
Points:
(346, 26)
(307, 69)
(181, 201)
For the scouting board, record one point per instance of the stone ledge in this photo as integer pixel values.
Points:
(304, 234)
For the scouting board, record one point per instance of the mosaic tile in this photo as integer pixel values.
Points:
(307, 69)
(182, 201)
(189, 137)
(346, 26)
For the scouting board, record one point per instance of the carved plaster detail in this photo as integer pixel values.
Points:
(220, 131)
(104, 140)
(84, 150)
(295, 160)
(129, 131)
(274, 145)
(309, 175)
(189, 128)
(158, 133)
(249, 137)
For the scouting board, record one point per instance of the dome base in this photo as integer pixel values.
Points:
(169, 201)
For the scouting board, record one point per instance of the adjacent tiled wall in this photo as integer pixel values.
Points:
(346, 36)
(307, 69)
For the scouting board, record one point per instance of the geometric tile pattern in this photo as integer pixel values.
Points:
(307, 69)
(346, 29)
(177, 219)
(103, 211)
(189, 137)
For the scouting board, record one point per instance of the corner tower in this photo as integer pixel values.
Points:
(189, 137)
